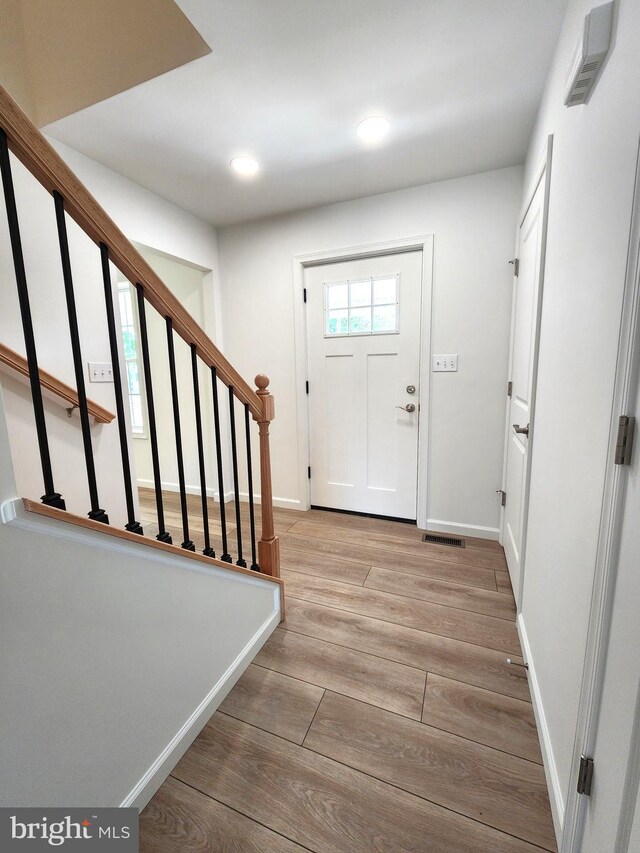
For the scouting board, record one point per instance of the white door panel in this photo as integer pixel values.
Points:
(525, 324)
(364, 449)
(617, 745)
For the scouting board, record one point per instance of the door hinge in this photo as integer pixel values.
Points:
(304, 294)
(516, 266)
(509, 389)
(624, 441)
(503, 496)
(307, 385)
(309, 472)
(585, 775)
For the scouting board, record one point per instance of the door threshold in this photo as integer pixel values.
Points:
(365, 514)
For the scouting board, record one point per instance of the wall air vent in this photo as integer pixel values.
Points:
(589, 55)
(435, 539)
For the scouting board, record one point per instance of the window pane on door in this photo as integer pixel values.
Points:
(385, 291)
(362, 306)
(360, 319)
(337, 322)
(384, 318)
(338, 295)
(360, 293)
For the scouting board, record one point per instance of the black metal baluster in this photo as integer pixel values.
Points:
(97, 514)
(234, 457)
(208, 550)
(252, 520)
(187, 544)
(132, 525)
(226, 556)
(51, 497)
(162, 536)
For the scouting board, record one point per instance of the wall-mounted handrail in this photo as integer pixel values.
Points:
(18, 364)
(45, 164)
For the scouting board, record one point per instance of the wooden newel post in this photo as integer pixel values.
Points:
(268, 544)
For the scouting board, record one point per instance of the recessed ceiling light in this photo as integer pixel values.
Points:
(245, 166)
(373, 129)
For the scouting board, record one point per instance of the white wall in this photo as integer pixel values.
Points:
(473, 220)
(594, 153)
(188, 285)
(143, 217)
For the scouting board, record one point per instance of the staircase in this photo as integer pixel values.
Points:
(52, 550)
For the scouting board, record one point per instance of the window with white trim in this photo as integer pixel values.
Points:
(132, 357)
(364, 306)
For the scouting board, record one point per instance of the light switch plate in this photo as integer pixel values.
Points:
(100, 371)
(445, 363)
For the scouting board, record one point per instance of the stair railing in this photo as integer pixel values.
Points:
(20, 137)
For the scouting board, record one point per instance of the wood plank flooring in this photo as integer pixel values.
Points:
(380, 716)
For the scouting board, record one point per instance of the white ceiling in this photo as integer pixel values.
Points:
(288, 80)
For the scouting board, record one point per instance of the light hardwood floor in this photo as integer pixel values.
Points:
(380, 716)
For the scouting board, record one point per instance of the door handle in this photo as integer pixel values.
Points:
(410, 407)
(521, 430)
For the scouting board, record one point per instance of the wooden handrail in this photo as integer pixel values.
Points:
(45, 164)
(18, 363)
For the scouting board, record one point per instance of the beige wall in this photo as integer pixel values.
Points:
(14, 69)
(59, 56)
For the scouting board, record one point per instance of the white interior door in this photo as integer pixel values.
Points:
(363, 330)
(523, 368)
(610, 814)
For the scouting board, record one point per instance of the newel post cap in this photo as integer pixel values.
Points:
(262, 382)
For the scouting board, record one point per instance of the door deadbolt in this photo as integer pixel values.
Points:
(411, 389)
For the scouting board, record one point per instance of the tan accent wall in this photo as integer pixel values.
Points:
(59, 56)
(14, 71)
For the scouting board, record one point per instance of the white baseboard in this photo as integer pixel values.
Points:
(191, 490)
(142, 792)
(463, 529)
(283, 503)
(550, 768)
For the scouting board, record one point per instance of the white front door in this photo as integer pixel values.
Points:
(523, 368)
(363, 328)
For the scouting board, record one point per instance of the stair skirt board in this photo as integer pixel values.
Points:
(146, 787)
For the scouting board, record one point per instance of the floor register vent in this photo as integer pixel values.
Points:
(454, 541)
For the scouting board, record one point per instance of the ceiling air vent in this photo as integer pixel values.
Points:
(589, 55)
(443, 540)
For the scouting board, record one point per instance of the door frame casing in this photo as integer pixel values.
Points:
(542, 173)
(422, 243)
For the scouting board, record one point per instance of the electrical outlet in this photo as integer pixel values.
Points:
(445, 363)
(100, 371)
